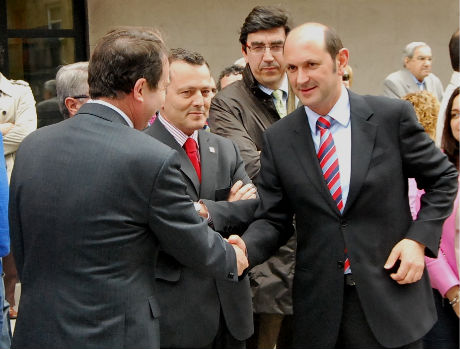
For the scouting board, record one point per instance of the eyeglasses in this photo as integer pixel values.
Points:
(260, 49)
(345, 77)
(80, 97)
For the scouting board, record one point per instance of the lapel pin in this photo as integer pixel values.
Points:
(212, 150)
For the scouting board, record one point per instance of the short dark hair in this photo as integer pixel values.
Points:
(448, 143)
(123, 56)
(453, 50)
(187, 56)
(332, 42)
(263, 18)
(233, 69)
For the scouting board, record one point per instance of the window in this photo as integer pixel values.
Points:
(39, 36)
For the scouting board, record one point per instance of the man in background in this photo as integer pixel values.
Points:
(242, 112)
(229, 75)
(48, 110)
(416, 74)
(72, 88)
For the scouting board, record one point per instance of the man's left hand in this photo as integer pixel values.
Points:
(412, 256)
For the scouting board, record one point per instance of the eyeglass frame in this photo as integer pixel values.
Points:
(265, 47)
(79, 97)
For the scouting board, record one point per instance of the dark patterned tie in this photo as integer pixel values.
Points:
(191, 149)
(329, 163)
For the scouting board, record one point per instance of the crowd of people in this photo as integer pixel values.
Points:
(276, 208)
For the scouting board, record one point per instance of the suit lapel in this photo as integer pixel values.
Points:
(158, 131)
(363, 133)
(411, 85)
(208, 160)
(302, 144)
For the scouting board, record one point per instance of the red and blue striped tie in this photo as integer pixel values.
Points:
(329, 163)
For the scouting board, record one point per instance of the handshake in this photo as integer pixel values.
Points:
(240, 251)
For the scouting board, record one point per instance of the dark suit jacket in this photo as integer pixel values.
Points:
(387, 147)
(191, 301)
(91, 202)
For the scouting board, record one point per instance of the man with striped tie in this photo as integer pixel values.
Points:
(340, 164)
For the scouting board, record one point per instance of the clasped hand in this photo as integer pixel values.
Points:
(240, 251)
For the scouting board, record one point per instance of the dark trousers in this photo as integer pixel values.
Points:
(445, 332)
(355, 332)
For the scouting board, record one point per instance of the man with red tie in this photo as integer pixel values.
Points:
(198, 311)
(340, 164)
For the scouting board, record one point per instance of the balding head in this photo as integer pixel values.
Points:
(315, 61)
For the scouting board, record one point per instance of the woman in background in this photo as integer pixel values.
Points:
(443, 270)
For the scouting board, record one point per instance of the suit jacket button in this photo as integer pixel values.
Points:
(230, 275)
(340, 265)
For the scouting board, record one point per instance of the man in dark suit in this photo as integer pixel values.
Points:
(87, 221)
(213, 313)
(48, 112)
(354, 231)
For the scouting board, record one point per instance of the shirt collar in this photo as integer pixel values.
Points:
(340, 112)
(283, 87)
(111, 106)
(178, 135)
(419, 83)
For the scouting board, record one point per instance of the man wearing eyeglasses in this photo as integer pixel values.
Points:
(242, 112)
(416, 74)
(72, 88)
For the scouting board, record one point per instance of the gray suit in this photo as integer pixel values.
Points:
(400, 83)
(86, 225)
(201, 299)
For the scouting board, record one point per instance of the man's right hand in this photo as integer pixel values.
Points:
(242, 192)
(240, 251)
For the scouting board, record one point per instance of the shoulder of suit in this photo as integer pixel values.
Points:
(397, 75)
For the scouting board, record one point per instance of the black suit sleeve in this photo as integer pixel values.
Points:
(233, 217)
(181, 232)
(423, 161)
(273, 218)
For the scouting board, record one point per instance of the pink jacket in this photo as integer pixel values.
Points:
(443, 270)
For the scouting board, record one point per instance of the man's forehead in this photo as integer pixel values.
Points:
(273, 34)
(422, 51)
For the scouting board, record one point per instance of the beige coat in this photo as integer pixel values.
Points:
(17, 107)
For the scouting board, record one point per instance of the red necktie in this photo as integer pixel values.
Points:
(191, 149)
(329, 163)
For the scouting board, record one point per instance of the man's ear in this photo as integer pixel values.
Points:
(342, 60)
(406, 59)
(139, 89)
(72, 105)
